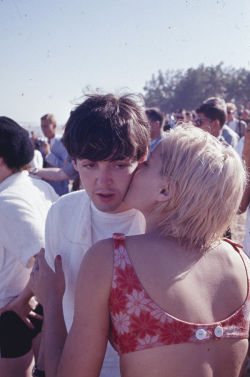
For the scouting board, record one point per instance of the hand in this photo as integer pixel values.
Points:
(45, 148)
(23, 308)
(45, 282)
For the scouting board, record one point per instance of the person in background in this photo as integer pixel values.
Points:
(244, 151)
(245, 116)
(37, 161)
(174, 301)
(237, 125)
(24, 203)
(59, 174)
(54, 152)
(189, 116)
(156, 121)
(211, 117)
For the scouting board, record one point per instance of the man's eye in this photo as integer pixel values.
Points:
(89, 166)
(121, 165)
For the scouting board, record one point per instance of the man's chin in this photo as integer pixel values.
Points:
(111, 208)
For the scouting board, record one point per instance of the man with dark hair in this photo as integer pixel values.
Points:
(107, 138)
(212, 116)
(54, 152)
(24, 203)
(237, 125)
(156, 121)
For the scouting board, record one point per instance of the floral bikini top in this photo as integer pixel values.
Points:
(138, 323)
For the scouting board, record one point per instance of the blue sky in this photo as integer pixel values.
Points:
(51, 50)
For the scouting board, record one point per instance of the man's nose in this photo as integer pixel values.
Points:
(104, 177)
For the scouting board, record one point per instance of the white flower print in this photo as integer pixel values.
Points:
(137, 302)
(114, 284)
(231, 330)
(121, 257)
(121, 323)
(158, 313)
(147, 340)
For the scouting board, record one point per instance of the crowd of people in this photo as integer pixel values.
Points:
(130, 273)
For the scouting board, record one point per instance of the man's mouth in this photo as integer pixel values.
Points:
(105, 197)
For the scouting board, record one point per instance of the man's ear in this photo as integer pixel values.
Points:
(74, 164)
(144, 157)
(216, 123)
(157, 123)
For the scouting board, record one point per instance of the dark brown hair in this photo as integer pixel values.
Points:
(154, 114)
(214, 108)
(107, 127)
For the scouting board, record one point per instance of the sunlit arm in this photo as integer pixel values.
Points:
(52, 174)
(85, 346)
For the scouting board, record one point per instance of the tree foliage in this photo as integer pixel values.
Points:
(187, 89)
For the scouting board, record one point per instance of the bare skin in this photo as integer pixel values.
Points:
(21, 366)
(216, 279)
(52, 174)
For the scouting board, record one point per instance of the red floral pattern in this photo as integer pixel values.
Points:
(138, 323)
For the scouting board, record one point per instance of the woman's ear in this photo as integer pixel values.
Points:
(163, 194)
(167, 191)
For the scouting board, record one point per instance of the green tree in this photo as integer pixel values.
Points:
(188, 89)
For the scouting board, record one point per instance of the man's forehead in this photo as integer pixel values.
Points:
(109, 159)
(46, 122)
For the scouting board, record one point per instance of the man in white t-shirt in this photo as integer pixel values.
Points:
(106, 137)
(24, 203)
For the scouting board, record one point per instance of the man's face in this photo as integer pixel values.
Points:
(230, 115)
(106, 182)
(48, 128)
(207, 125)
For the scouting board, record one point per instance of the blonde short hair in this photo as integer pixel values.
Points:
(206, 183)
(231, 106)
(49, 117)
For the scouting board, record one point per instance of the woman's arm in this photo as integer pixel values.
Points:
(85, 346)
(84, 349)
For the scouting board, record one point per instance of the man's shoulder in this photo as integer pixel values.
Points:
(43, 186)
(72, 201)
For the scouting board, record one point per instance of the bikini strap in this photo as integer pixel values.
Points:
(119, 236)
(235, 245)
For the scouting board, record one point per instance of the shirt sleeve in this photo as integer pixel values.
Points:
(70, 170)
(50, 237)
(58, 156)
(22, 229)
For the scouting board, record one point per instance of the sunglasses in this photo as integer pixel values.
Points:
(200, 121)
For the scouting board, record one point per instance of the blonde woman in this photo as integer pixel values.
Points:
(174, 301)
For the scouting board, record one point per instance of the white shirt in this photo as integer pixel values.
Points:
(24, 203)
(233, 124)
(37, 161)
(73, 225)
